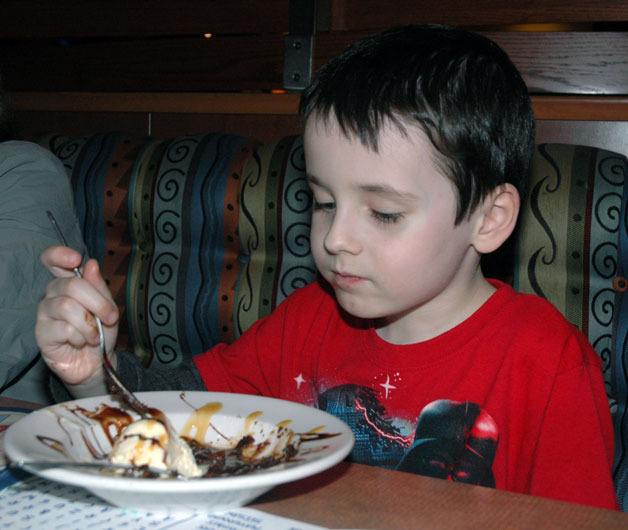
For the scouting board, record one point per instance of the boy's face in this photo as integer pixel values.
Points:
(383, 231)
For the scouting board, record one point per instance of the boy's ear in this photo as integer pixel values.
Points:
(497, 218)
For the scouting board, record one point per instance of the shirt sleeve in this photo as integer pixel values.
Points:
(257, 362)
(32, 181)
(248, 365)
(574, 452)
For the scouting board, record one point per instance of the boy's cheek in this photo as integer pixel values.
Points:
(317, 231)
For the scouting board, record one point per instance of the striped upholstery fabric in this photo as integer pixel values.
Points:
(197, 236)
(572, 249)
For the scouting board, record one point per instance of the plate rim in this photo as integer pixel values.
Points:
(264, 478)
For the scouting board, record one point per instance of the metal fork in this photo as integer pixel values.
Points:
(31, 465)
(119, 386)
(175, 445)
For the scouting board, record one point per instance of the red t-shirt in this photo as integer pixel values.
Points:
(512, 397)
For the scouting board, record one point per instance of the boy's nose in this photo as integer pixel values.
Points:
(342, 237)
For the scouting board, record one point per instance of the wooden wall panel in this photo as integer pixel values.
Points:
(569, 62)
(104, 18)
(551, 62)
(377, 14)
(195, 64)
(72, 55)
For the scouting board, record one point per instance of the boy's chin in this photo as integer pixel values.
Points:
(359, 308)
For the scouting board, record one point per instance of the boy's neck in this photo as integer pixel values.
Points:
(437, 316)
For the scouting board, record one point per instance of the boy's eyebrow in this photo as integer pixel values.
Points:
(379, 189)
(385, 189)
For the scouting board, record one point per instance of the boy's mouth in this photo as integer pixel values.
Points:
(345, 280)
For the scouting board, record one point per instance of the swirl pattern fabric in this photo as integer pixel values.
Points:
(572, 249)
(619, 367)
(197, 236)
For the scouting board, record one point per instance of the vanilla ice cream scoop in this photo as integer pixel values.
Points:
(146, 442)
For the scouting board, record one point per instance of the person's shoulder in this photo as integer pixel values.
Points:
(544, 335)
(531, 309)
(18, 153)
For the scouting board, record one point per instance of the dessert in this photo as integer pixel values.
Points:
(146, 443)
(200, 451)
(209, 444)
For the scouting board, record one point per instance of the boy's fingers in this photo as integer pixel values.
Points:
(67, 352)
(91, 272)
(69, 320)
(60, 260)
(71, 298)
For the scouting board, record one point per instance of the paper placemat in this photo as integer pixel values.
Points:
(8, 416)
(37, 503)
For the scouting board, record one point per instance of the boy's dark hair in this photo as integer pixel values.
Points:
(459, 87)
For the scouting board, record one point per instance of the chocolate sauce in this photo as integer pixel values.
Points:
(245, 457)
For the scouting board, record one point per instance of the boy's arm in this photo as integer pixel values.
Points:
(139, 379)
(250, 365)
(244, 366)
(574, 452)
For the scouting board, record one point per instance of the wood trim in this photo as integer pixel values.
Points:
(587, 108)
(182, 102)
(584, 108)
(41, 19)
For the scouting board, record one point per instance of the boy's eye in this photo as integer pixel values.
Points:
(384, 217)
(325, 206)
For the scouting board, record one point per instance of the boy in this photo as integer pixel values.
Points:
(417, 144)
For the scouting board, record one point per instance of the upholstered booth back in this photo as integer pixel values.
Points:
(572, 248)
(199, 236)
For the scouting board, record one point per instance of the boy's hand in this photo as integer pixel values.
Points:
(66, 330)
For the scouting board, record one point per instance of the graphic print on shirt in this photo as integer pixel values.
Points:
(453, 440)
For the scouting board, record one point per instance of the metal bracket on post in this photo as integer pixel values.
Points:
(299, 45)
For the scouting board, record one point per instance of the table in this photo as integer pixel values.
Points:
(359, 496)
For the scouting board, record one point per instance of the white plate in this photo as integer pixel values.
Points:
(22, 443)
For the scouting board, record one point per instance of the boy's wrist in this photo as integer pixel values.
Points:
(95, 385)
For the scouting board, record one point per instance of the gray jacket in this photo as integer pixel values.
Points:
(32, 180)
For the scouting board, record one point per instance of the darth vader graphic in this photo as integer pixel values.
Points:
(453, 440)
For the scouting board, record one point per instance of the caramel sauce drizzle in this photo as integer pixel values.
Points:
(200, 421)
(250, 419)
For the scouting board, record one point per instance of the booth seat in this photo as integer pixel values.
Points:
(199, 236)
